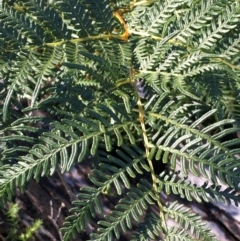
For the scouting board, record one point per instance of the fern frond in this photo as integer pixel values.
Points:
(213, 153)
(76, 16)
(231, 48)
(185, 189)
(199, 16)
(49, 61)
(85, 213)
(123, 166)
(49, 19)
(179, 234)
(227, 20)
(199, 69)
(115, 54)
(102, 13)
(64, 140)
(149, 62)
(19, 71)
(152, 21)
(127, 209)
(150, 228)
(31, 33)
(189, 221)
(104, 177)
(217, 194)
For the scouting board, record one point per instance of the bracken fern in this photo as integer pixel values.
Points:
(134, 84)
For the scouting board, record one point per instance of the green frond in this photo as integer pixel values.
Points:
(152, 61)
(116, 57)
(230, 49)
(153, 20)
(72, 51)
(179, 234)
(188, 221)
(217, 194)
(200, 69)
(194, 156)
(102, 13)
(48, 61)
(128, 209)
(11, 38)
(127, 163)
(87, 205)
(150, 228)
(182, 187)
(197, 18)
(191, 60)
(76, 16)
(105, 177)
(19, 70)
(64, 140)
(48, 18)
(30, 32)
(171, 183)
(226, 21)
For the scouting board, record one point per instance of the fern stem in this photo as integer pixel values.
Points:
(146, 34)
(229, 64)
(89, 38)
(147, 146)
(141, 3)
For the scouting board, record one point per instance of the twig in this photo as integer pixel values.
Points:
(65, 185)
(54, 220)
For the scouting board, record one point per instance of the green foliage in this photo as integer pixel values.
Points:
(12, 216)
(135, 85)
(13, 219)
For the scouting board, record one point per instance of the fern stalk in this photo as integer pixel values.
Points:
(147, 146)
